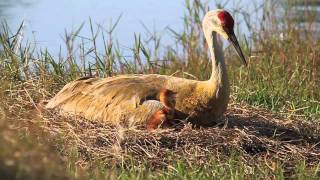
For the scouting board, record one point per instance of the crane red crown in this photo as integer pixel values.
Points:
(226, 19)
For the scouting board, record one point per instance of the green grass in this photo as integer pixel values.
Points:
(282, 76)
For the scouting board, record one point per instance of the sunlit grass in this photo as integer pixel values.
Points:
(282, 76)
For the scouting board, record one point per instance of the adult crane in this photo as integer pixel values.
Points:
(136, 98)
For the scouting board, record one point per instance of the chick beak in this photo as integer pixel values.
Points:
(233, 39)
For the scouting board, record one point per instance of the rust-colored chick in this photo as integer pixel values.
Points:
(168, 99)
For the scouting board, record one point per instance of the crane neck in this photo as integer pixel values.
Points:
(219, 72)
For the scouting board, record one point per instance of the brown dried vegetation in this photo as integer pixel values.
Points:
(256, 135)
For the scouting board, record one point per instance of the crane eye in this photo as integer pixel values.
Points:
(226, 20)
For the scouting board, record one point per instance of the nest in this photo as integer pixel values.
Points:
(255, 134)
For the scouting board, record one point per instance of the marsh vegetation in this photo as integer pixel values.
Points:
(272, 125)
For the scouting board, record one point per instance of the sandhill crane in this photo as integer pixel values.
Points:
(127, 98)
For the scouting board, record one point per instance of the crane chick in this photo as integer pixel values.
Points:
(168, 100)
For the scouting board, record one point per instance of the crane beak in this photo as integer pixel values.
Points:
(233, 39)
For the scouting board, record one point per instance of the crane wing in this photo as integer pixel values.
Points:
(109, 99)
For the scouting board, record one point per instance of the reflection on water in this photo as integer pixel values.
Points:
(47, 19)
(7, 5)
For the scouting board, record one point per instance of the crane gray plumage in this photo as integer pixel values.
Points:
(134, 98)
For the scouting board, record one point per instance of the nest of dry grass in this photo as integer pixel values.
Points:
(256, 135)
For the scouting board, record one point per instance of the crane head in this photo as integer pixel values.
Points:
(168, 97)
(221, 22)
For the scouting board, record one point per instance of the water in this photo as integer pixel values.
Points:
(46, 20)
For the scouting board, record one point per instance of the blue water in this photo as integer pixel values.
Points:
(46, 20)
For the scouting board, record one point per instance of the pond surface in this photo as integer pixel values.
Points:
(46, 20)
